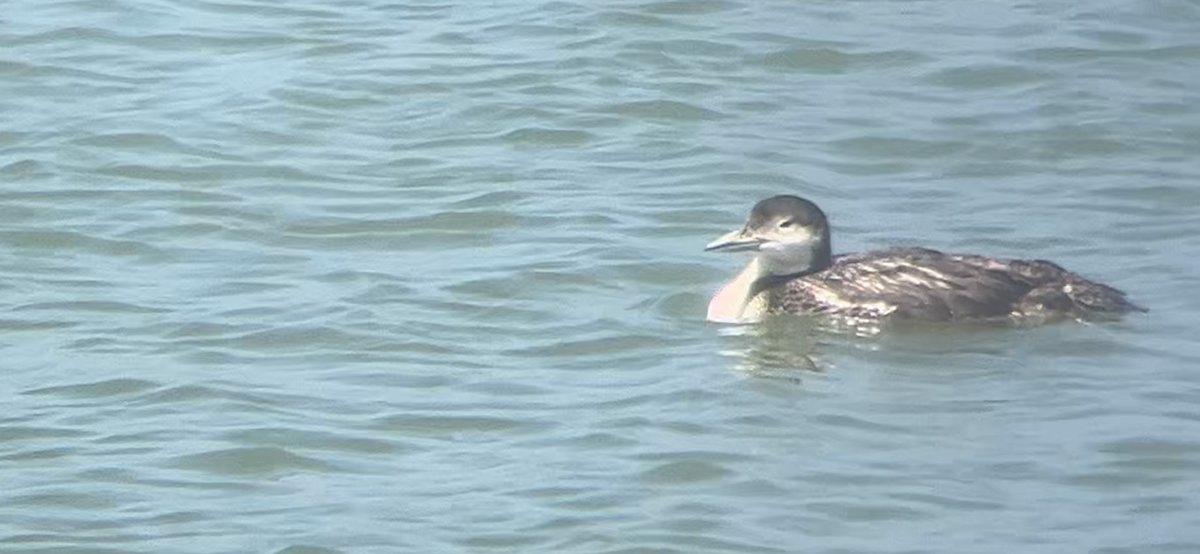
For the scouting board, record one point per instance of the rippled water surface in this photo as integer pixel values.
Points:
(364, 276)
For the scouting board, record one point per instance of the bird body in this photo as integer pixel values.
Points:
(793, 271)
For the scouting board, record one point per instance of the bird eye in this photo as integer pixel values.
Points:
(787, 223)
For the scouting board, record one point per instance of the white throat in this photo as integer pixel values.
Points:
(787, 258)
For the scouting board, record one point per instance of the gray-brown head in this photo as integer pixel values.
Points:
(789, 235)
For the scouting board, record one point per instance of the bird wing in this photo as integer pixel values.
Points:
(908, 283)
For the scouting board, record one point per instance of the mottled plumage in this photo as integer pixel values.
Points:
(927, 285)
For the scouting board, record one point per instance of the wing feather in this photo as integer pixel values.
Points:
(907, 283)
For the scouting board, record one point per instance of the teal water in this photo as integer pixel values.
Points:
(356, 276)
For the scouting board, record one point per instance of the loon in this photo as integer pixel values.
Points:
(793, 271)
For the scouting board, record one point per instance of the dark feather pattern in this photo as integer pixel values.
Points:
(927, 285)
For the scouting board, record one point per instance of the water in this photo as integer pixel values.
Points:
(364, 276)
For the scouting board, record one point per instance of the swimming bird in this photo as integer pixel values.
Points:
(793, 270)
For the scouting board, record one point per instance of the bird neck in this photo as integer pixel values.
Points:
(733, 303)
(741, 300)
(822, 256)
